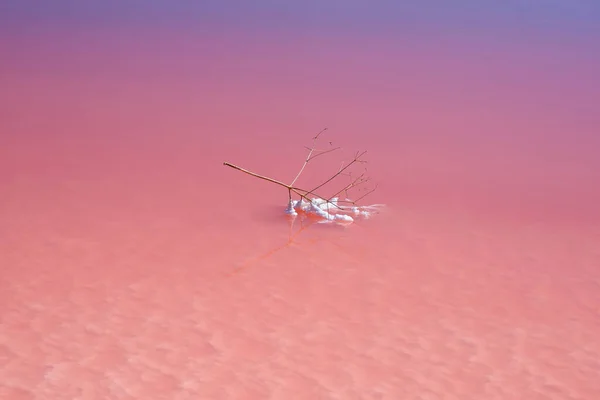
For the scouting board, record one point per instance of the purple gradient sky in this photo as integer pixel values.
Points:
(581, 17)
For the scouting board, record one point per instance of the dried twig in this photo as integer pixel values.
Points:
(308, 195)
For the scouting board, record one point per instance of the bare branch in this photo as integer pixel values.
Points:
(308, 156)
(366, 194)
(356, 159)
(310, 195)
(321, 152)
(257, 175)
(356, 182)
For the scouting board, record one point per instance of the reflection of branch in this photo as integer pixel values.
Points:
(291, 238)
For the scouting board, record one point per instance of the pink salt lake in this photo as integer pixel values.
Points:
(134, 265)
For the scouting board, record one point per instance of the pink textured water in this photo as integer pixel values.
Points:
(134, 265)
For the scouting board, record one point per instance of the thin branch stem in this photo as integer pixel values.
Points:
(366, 194)
(321, 152)
(266, 178)
(308, 157)
(303, 193)
(356, 159)
(358, 181)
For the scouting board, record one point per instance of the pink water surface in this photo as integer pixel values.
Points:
(134, 265)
